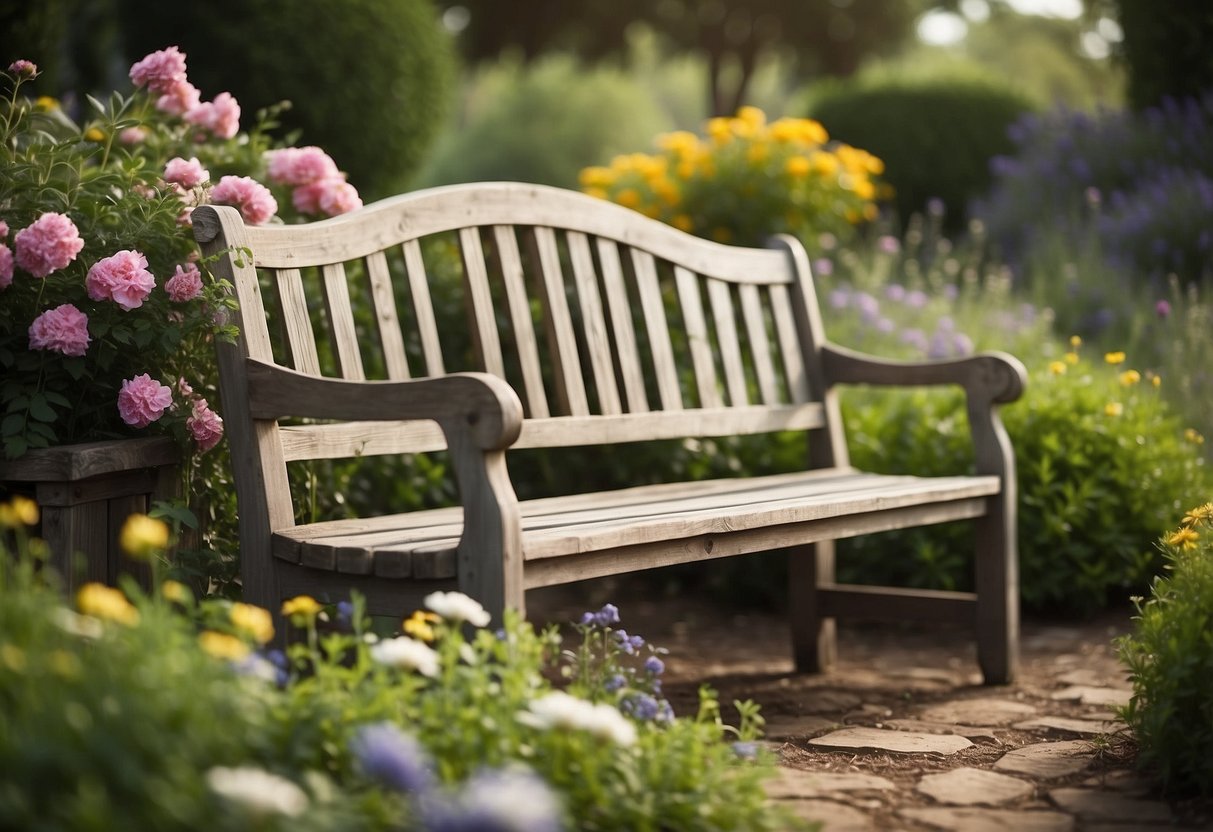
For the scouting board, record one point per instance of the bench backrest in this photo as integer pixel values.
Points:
(610, 326)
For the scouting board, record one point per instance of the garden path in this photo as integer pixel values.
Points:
(901, 736)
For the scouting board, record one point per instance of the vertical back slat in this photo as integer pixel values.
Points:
(593, 323)
(659, 332)
(423, 308)
(697, 337)
(566, 364)
(520, 317)
(341, 318)
(760, 347)
(383, 298)
(789, 344)
(487, 340)
(297, 322)
(621, 325)
(730, 348)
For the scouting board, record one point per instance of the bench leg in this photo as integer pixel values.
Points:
(997, 580)
(813, 637)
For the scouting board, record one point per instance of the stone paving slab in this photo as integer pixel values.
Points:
(973, 786)
(971, 732)
(985, 713)
(1073, 726)
(1087, 695)
(1048, 760)
(904, 742)
(990, 820)
(790, 727)
(798, 784)
(833, 816)
(1101, 805)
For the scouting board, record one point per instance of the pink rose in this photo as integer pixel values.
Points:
(122, 278)
(185, 284)
(300, 166)
(143, 400)
(3, 228)
(62, 329)
(159, 71)
(186, 173)
(132, 135)
(23, 68)
(179, 99)
(221, 117)
(6, 266)
(186, 217)
(49, 244)
(183, 388)
(306, 198)
(254, 200)
(204, 425)
(339, 197)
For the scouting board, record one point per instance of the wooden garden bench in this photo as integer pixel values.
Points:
(589, 324)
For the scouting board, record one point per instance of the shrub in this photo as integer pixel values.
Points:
(1143, 182)
(1102, 463)
(1166, 54)
(163, 712)
(746, 180)
(543, 123)
(1169, 656)
(369, 80)
(935, 135)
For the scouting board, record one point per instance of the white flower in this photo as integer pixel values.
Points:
(560, 710)
(406, 653)
(455, 606)
(258, 790)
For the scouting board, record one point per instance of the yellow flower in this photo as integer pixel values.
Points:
(721, 234)
(784, 130)
(1071, 357)
(176, 592)
(1193, 436)
(1198, 515)
(419, 625)
(94, 134)
(597, 176)
(1114, 358)
(824, 163)
(666, 191)
(253, 621)
(752, 116)
(597, 193)
(798, 167)
(870, 212)
(1156, 380)
(223, 646)
(101, 601)
(19, 511)
(720, 130)
(628, 198)
(45, 103)
(682, 222)
(303, 606)
(1184, 538)
(681, 142)
(757, 153)
(1057, 368)
(1130, 377)
(1075, 341)
(864, 189)
(1113, 409)
(143, 536)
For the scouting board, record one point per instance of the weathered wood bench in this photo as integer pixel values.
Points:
(590, 325)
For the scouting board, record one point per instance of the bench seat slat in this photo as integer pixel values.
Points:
(647, 515)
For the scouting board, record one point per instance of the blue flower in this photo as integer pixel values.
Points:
(345, 612)
(392, 757)
(746, 750)
(629, 644)
(614, 683)
(654, 665)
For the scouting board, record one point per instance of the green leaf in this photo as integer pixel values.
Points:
(57, 398)
(40, 410)
(13, 424)
(15, 446)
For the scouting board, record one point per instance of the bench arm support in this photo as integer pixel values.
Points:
(480, 416)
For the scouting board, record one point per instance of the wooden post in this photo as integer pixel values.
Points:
(85, 492)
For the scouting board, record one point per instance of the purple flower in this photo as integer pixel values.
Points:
(840, 298)
(1162, 309)
(614, 683)
(605, 617)
(895, 292)
(916, 299)
(392, 757)
(630, 644)
(345, 612)
(745, 750)
(640, 706)
(888, 244)
(823, 267)
(654, 665)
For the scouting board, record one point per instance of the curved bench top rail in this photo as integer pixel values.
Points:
(392, 221)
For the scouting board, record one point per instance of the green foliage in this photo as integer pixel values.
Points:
(369, 80)
(1166, 55)
(1102, 462)
(543, 123)
(140, 713)
(1169, 656)
(935, 135)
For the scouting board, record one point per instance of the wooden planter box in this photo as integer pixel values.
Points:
(86, 492)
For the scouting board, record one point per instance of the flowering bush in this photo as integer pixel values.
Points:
(112, 708)
(1169, 656)
(106, 315)
(746, 180)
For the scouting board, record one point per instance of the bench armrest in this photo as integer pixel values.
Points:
(993, 377)
(988, 379)
(482, 405)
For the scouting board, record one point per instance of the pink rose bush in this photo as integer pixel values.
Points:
(98, 219)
